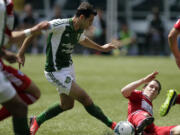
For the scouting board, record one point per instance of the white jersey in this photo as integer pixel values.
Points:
(61, 41)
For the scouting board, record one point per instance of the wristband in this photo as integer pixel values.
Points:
(27, 32)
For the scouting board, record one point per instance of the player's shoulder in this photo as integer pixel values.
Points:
(137, 91)
(59, 23)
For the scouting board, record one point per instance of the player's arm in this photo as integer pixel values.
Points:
(128, 89)
(21, 52)
(91, 44)
(172, 39)
(36, 30)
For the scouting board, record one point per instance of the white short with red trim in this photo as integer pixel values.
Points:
(7, 91)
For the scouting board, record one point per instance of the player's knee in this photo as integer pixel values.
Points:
(85, 100)
(67, 106)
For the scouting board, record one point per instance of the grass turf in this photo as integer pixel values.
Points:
(102, 78)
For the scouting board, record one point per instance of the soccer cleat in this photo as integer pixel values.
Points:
(113, 125)
(170, 100)
(33, 125)
(144, 124)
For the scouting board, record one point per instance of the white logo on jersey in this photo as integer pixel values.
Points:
(147, 107)
(67, 35)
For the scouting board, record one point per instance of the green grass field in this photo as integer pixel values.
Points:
(103, 78)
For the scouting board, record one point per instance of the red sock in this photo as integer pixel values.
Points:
(27, 98)
(178, 99)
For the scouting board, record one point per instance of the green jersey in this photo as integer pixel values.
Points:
(61, 40)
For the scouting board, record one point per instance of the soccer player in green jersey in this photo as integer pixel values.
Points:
(64, 34)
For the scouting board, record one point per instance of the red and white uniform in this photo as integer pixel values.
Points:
(9, 20)
(138, 107)
(19, 80)
(177, 25)
(7, 91)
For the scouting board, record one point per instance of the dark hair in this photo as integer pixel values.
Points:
(85, 9)
(157, 83)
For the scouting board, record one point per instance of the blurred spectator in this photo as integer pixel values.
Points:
(57, 12)
(28, 21)
(99, 34)
(155, 44)
(127, 39)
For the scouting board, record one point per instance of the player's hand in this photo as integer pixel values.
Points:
(44, 25)
(20, 59)
(150, 77)
(108, 47)
(117, 43)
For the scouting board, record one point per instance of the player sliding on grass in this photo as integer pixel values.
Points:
(140, 107)
(64, 34)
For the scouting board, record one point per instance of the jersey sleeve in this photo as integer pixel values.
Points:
(177, 25)
(55, 25)
(82, 37)
(134, 95)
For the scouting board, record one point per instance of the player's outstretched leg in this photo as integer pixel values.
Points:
(51, 112)
(147, 121)
(169, 102)
(95, 111)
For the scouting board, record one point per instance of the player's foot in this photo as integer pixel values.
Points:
(113, 125)
(33, 125)
(144, 124)
(170, 100)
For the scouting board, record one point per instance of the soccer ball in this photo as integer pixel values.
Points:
(124, 128)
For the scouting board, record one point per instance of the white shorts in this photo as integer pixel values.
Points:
(7, 91)
(62, 79)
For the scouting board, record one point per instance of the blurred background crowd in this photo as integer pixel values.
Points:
(142, 25)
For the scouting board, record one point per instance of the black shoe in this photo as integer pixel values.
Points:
(144, 124)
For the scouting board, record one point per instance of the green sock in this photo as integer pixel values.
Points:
(20, 126)
(98, 113)
(51, 112)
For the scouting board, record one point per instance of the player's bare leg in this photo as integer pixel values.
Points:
(33, 90)
(29, 96)
(18, 110)
(80, 95)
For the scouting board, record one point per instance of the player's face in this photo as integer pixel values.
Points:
(86, 22)
(152, 89)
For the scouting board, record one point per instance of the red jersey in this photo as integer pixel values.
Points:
(138, 101)
(177, 25)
